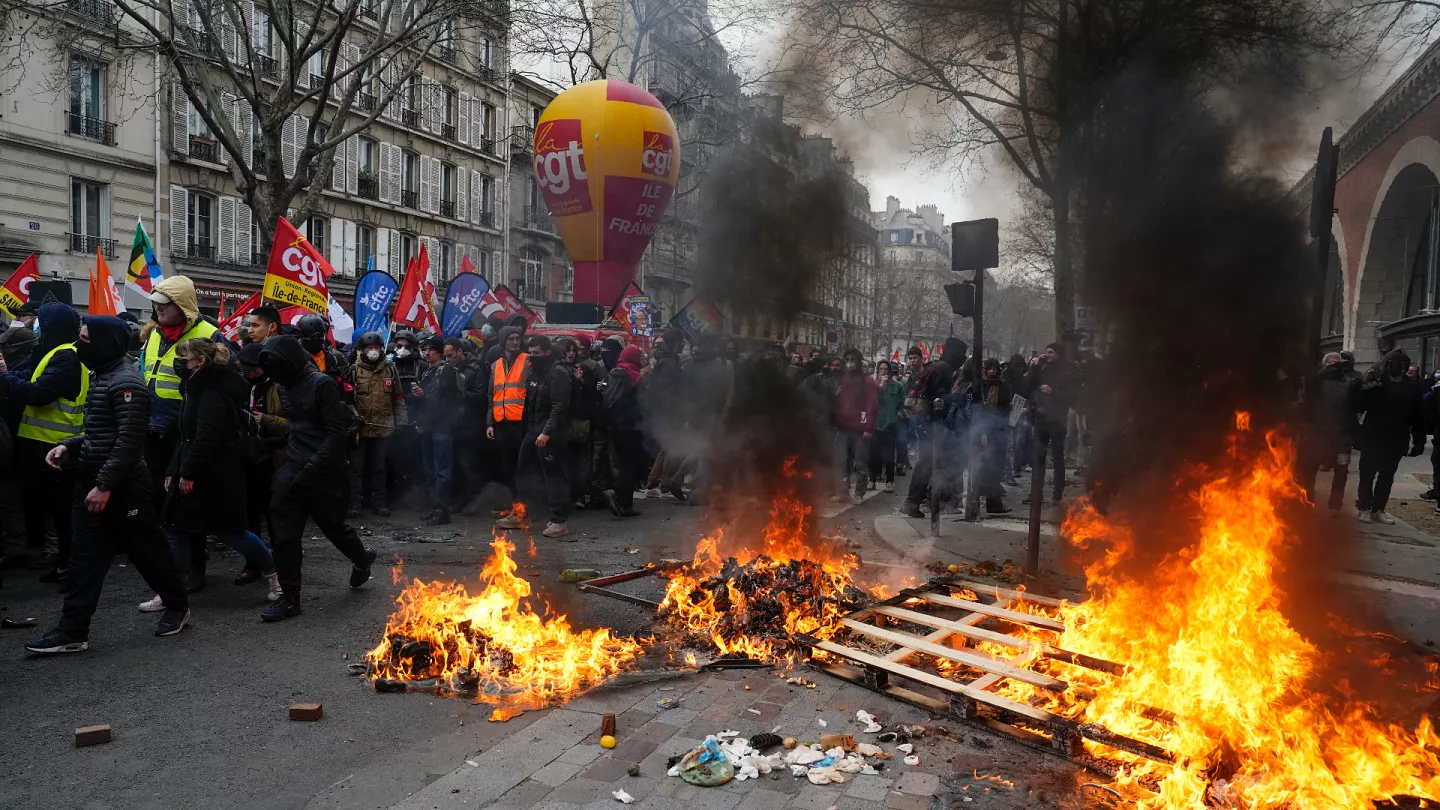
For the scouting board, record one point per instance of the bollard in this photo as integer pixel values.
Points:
(1037, 490)
(936, 422)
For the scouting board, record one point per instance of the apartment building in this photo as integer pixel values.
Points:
(538, 269)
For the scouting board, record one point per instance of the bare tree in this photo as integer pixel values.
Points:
(296, 80)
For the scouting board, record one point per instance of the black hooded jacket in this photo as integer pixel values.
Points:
(547, 397)
(111, 451)
(58, 325)
(319, 421)
(211, 440)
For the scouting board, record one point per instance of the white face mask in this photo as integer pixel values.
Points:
(372, 355)
(402, 352)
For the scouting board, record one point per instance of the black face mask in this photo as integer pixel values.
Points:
(183, 371)
(85, 354)
(313, 345)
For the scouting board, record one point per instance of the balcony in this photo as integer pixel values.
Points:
(447, 208)
(204, 149)
(538, 219)
(96, 10)
(445, 53)
(410, 118)
(364, 103)
(447, 131)
(522, 139)
(488, 74)
(259, 158)
(369, 187)
(269, 68)
(205, 44)
(368, 12)
(487, 146)
(92, 128)
(410, 199)
(80, 243)
(487, 219)
(316, 81)
(202, 251)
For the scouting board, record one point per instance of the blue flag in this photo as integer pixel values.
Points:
(461, 301)
(374, 293)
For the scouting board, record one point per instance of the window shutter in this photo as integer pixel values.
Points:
(228, 113)
(226, 249)
(300, 58)
(475, 209)
(477, 122)
(244, 223)
(245, 132)
(179, 230)
(290, 143)
(338, 168)
(179, 120)
(427, 186)
(341, 87)
(462, 196)
(337, 246)
(351, 243)
(388, 181)
(382, 249)
(387, 83)
(246, 40)
(497, 267)
(351, 53)
(397, 262)
(427, 105)
(352, 164)
(229, 37)
(462, 128)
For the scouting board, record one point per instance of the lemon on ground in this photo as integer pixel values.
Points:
(607, 741)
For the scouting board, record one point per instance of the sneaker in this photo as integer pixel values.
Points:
(171, 622)
(53, 575)
(247, 575)
(1382, 517)
(856, 500)
(609, 496)
(439, 517)
(913, 510)
(352, 513)
(553, 529)
(280, 611)
(1364, 516)
(653, 492)
(382, 511)
(889, 487)
(154, 605)
(274, 592)
(508, 522)
(1428, 495)
(359, 576)
(624, 513)
(56, 641)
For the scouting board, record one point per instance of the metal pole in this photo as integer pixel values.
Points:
(974, 444)
(1037, 490)
(937, 423)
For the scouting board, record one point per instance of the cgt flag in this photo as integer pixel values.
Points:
(230, 326)
(297, 272)
(16, 290)
(699, 317)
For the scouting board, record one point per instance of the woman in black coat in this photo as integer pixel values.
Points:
(205, 482)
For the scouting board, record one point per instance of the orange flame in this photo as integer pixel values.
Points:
(1206, 640)
(493, 643)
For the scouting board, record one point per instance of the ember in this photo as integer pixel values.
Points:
(493, 645)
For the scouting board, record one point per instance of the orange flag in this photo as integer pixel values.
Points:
(103, 296)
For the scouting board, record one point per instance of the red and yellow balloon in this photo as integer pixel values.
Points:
(606, 159)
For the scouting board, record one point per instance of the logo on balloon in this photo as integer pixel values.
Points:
(560, 167)
(659, 154)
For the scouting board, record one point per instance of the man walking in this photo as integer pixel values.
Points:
(933, 382)
(505, 419)
(856, 400)
(1390, 410)
(540, 469)
(1053, 386)
(116, 511)
(438, 396)
(313, 482)
(381, 405)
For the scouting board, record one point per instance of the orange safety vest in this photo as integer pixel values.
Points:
(508, 390)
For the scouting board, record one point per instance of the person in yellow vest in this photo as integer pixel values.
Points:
(176, 318)
(505, 419)
(51, 386)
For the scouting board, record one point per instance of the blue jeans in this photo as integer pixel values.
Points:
(250, 546)
(437, 452)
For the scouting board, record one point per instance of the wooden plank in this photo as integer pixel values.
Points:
(999, 592)
(958, 628)
(990, 610)
(903, 653)
(977, 660)
(980, 695)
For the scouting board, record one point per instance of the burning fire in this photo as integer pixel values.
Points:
(492, 644)
(1206, 640)
(747, 600)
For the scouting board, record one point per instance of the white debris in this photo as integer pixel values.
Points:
(472, 763)
(906, 748)
(869, 770)
(727, 734)
(868, 721)
(753, 711)
(821, 721)
(798, 770)
(824, 776)
(912, 760)
(803, 756)
(868, 749)
(623, 797)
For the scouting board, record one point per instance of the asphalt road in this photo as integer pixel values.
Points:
(200, 719)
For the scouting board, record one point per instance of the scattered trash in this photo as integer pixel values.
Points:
(472, 763)
(92, 735)
(805, 682)
(669, 703)
(906, 748)
(633, 770)
(725, 756)
(607, 725)
(709, 774)
(631, 550)
(306, 711)
(753, 711)
(868, 750)
(912, 760)
(821, 721)
(868, 721)
(789, 742)
(356, 669)
(437, 538)
(623, 797)
(578, 574)
(843, 741)
(17, 624)
(762, 741)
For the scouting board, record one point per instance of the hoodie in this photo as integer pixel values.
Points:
(319, 421)
(211, 438)
(857, 402)
(62, 377)
(181, 292)
(111, 451)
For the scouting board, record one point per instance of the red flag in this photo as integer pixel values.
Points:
(221, 315)
(16, 289)
(467, 266)
(230, 326)
(297, 272)
(102, 287)
(895, 356)
(292, 315)
(427, 278)
(500, 301)
(411, 299)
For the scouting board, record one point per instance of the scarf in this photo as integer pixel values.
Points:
(629, 363)
(171, 333)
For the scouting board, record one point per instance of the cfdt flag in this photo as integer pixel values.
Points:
(297, 272)
(17, 288)
(374, 293)
(461, 300)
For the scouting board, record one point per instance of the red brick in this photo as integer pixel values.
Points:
(306, 711)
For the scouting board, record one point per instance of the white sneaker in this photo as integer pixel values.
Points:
(653, 492)
(152, 606)
(1363, 516)
(856, 500)
(273, 580)
(1382, 517)
(889, 487)
(556, 530)
(837, 499)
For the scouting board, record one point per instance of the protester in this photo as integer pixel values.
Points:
(313, 482)
(505, 419)
(856, 400)
(472, 451)
(116, 510)
(264, 448)
(404, 448)
(1333, 430)
(540, 469)
(932, 382)
(988, 423)
(1052, 386)
(438, 396)
(621, 403)
(663, 399)
(261, 323)
(380, 401)
(176, 318)
(1390, 409)
(889, 403)
(709, 395)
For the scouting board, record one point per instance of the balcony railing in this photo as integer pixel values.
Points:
(80, 243)
(92, 9)
(364, 102)
(409, 199)
(204, 149)
(522, 139)
(538, 219)
(447, 131)
(410, 118)
(269, 68)
(488, 74)
(487, 145)
(368, 12)
(445, 53)
(204, 43)
(316, 81)
(447, 208)
(487, 219)
(202, 251)
(260, 158)
(369, 188)
(92, 128)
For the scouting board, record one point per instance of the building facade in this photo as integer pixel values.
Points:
(538, 268)
(908, 302)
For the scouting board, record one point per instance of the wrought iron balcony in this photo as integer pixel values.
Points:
(447, 208)
(487, 145)
(204, 149)
(80, 243)
(96, 10)
(316, 81)
(92, 128)
(269, 68)
(445, 53)
(202, 251)
(369, 188)
(409, 199)
(410, 118)
(447, 131)
(364, 102)
(487, 219)
(522, 139)
(538, 219)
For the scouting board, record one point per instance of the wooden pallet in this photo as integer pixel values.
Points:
(952, 637)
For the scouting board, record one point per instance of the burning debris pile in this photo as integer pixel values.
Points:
(749, 600)
(492, 645)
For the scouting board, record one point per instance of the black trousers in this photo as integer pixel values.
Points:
(540, 476)
(257, 497)
(1051, 436)
(925, 466)
(882, 455)
(508, 437)
(291, 508)
(1377, 474)
(127, 526)
(48, 494)
(367, 465)
(627, 459)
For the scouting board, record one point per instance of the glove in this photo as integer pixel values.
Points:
(1416, 450)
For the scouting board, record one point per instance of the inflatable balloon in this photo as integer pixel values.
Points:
(606, 160)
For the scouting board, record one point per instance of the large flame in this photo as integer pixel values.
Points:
(788, 552)
(493, 643)
(1206, 640)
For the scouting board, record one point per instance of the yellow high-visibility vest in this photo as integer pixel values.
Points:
(61, 419)
(508, 400)
(160, 375)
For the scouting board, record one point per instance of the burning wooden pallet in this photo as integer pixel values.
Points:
(952, 639)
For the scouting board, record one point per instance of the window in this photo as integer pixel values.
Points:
(200, 215)
(369, 155)
(532, 267)
(447, 190)
(445, 42)
(315, 231)
(452, 105)
(410, 180)
(89, 225)
(317, 67)
(487, 112)
(447, 261)
(535, 113)
(262, 33)
(364, 247)
(487, 193)
(486, 54)
(198, 127)
(87, 98)
(407, 247)
(894, 238)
